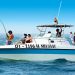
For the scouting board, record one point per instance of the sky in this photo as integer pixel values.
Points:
(22, 16)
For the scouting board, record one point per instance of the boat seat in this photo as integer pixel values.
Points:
(47, 35)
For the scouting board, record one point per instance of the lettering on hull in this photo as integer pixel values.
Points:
(35, 46)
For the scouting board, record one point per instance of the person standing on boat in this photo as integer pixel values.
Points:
(57, 32)
(55, 21)
(60, 31)
(10, 37)
(74, 38)
(71, 37)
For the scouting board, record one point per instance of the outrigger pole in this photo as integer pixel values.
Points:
(59, 9)
(56, 18)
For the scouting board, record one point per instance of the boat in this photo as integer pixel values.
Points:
(45, 40)
(46, 46)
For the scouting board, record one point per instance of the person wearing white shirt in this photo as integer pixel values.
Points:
(71, 37)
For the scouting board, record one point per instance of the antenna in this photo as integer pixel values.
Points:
(59, 9)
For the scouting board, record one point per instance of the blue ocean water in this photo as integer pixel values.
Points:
(21, 67)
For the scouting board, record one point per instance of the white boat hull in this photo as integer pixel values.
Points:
(38, 46)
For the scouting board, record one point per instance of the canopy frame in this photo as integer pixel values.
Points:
(42, 31)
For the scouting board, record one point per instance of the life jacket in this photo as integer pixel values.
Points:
(11, 37)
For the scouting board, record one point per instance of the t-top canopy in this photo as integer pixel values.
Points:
(55, 25)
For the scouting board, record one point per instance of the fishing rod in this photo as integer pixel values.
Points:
(3, 27)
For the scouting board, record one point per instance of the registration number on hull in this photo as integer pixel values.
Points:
(36, 46)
